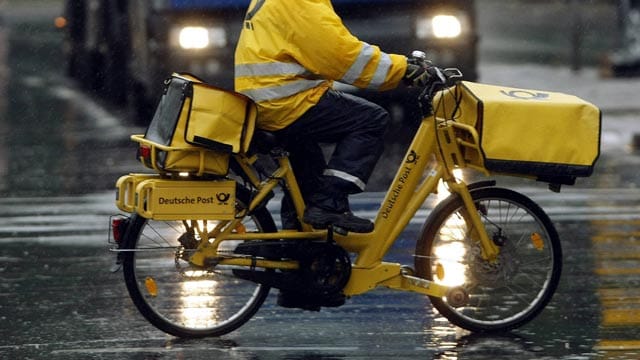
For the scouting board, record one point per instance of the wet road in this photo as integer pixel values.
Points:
(60, 301)
(60, 153)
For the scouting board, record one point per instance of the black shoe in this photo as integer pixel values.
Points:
(321, 219)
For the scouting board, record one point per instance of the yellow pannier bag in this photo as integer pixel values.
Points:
(196, 127)
(552, 136)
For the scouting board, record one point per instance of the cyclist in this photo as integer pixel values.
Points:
(288, 55)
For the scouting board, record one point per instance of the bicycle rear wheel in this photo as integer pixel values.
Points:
(504, 294)
(174, 296)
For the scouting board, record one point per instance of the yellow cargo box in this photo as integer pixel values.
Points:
(552, 136)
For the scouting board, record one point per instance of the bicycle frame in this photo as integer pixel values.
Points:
(434, 152)
(201, 220)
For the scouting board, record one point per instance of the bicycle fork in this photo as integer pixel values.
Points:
(450, 156)
(471, 215)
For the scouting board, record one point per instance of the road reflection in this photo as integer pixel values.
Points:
(495, 346)
(617, 268)
(54, 139)
(198, 306)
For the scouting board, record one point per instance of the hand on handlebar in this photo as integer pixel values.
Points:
(430, 79)
(422, 73)
(425, 76)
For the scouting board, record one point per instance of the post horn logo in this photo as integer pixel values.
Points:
(223, 197)
(525, 95)
(412, 157)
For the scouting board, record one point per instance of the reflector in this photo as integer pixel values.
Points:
(118, 226)
(145, 151)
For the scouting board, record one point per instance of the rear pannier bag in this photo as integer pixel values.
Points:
(201, 124)
(552, 136)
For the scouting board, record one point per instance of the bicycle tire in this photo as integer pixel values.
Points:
(185, 304)
(503, 295)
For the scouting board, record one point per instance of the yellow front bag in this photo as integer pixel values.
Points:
(552, 136)
(196, 127)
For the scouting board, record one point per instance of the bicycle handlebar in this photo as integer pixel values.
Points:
(425, 98)
(452, 75)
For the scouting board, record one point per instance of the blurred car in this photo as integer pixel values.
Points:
(124, 49)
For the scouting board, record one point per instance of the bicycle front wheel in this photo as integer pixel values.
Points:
(503, 294)
(174, 296)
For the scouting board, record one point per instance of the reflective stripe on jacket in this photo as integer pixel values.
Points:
(290, 51)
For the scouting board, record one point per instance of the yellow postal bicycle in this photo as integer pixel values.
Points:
(200, 250)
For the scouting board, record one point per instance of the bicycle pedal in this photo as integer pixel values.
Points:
(339, 230)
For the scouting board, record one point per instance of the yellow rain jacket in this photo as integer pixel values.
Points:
(290, 52)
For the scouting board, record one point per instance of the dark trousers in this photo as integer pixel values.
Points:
(356, 127)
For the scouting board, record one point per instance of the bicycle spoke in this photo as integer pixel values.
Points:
(509, 291)
(179, 298)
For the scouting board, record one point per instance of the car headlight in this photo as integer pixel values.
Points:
(446, 26)
(441, 26)
(198, 37)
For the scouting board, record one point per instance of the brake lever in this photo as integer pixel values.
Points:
(453, 73)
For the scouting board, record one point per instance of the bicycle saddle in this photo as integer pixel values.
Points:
(263, 142)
